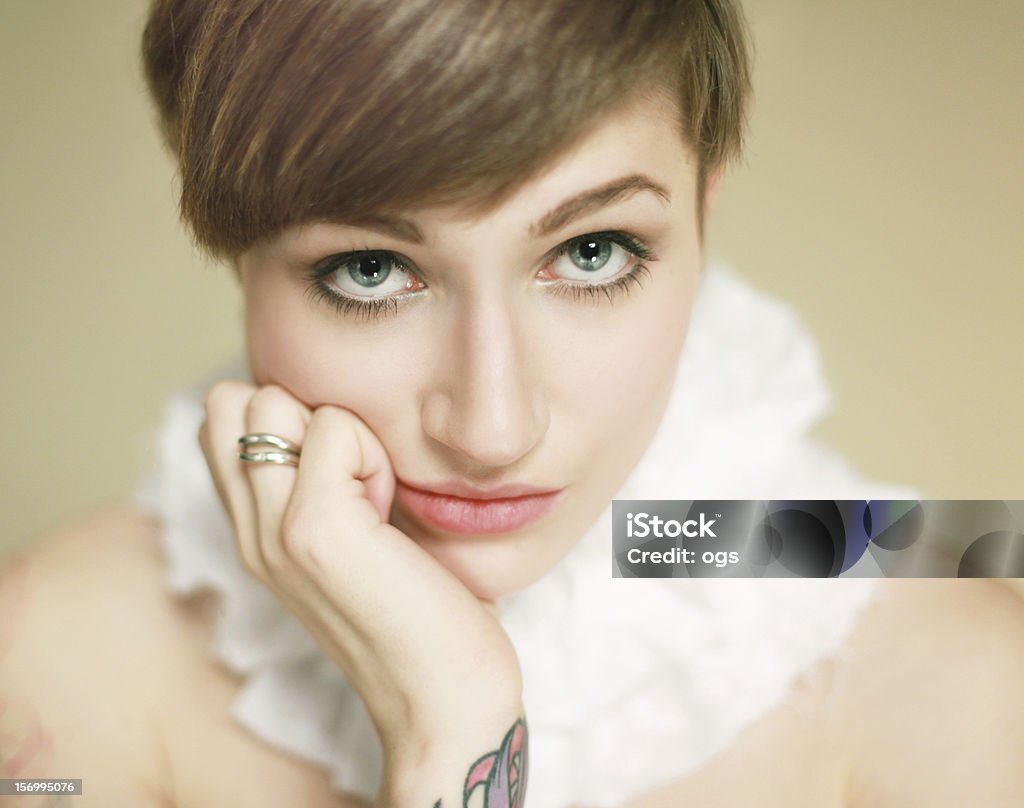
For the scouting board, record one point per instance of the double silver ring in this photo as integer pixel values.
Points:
(282, 451)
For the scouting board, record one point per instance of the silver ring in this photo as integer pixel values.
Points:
(266, 439)
(278, 458)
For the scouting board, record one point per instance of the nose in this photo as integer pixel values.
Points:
(486, 402)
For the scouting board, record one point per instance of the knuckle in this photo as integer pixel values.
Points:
(336, 414)
(274, 408)
(334, 419)
(211, 398)
(226, 393)
(269, 397)
(299, 537)
(296, 549)
(293, 528)
(275, 559)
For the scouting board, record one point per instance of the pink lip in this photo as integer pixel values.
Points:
(459, 508)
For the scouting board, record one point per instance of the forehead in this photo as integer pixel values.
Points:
(642, 137)
(634, 150)
(638, 144)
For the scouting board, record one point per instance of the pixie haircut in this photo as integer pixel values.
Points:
(284, 112)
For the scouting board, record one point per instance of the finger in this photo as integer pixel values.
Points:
(205, 444)
(356, 559)
(273, 410)
(380, 479)
(345, 455)
(342, 461)
(226, 404)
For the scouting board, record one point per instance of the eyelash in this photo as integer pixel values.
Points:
(372, 308)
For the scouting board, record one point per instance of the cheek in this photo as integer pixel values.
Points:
(318, 358)
(617, 377)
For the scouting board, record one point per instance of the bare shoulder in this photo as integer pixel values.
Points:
(928, 696)
(105, 676)
(922, 705)
(71, 656)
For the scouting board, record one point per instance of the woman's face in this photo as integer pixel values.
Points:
(532, 348)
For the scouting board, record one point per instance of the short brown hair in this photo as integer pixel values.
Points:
(288, 111)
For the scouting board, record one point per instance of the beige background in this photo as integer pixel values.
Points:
(883, 193)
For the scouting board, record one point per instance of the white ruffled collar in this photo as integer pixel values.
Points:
(626, 683)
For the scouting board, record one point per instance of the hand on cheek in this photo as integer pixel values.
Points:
(416, 645)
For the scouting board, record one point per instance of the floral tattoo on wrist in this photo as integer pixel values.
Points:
(500, 776)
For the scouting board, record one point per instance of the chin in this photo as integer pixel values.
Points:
(489, 569)
(486, 590)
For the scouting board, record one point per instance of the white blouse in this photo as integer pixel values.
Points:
(627, 683)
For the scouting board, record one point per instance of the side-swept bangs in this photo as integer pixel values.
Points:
(288, 111)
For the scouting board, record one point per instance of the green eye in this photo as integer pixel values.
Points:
(593, 258)
(590, 254)
(369, 269)
(368, 274)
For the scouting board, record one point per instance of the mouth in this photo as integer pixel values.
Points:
(457, 508)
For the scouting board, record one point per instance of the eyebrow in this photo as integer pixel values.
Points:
(571, 209)
(595, 199)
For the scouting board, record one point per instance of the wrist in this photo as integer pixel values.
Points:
(441, 712)
(422, 768)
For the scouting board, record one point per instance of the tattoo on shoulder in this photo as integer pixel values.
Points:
(499, 777)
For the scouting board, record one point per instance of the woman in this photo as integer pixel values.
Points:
(469, 240)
